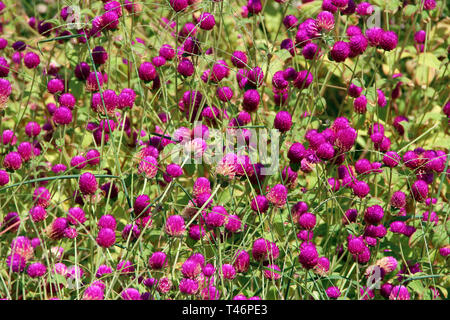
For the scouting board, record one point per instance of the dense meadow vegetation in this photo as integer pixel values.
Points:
(234, 149)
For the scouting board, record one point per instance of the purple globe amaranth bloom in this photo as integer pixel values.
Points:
(340, 51)
(260, 204)
(277, 195)
(228, 271)
(307, 221)
(239, 59)
(388, 40)
(88, 183)
(283, 121)
(251, 100)
(147, 72)
(361, 189)
(391, 159)
(158, 260)
(188, 286)
(360, 104)
(107, 221)
(290, 21)
(206, 21)
(364, 9)
(374, 214)
(4, 178)
(325, 20)
(333, 292)
(399, 293)
(303, 79)
(242, 261)
(55, 86)
(311, 51)
(175, 226)
(398, 199)
(31, 60)
(36, 270)
(82, 71)
(178, 5)
(106, 237)
(5, 92)
(358, 45)
(419, 190)
(99, 55)
(15, 263)
(308, 255)
(185, 67)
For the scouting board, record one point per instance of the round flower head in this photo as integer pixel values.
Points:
(4, 67)
(104, 102)
(93, 292)
(233, 223)
(211, 292)
(419, 190)
(360, 104)
(76, 216)
(311, 51)
(307, 221)
(11, 221)
(399, 293)
(149, 167)
(391, 159)
(178, 5)
(228, 272)
(22, 245)
(99, 55)
(339, 3)
(92, 84)
(62, 116)
(272, 272)
(239, 59)
(158, 260)
(103, 270)
(224, 94)
(82, 71)
(242, 261)
(308, 255)
(185, 67)
(126, 98)
(106, 237)
(340, 51)
(251, 100)
(353, 31)
(5, 92)
(303, 79)
(283, 121)
(41, 197)
(107, 221)
(4, 178)
(358, 45)
(325, 20)
(216, 217)
(361, 189)
(15, 263)
(356, 245)
(260, 204)
(388, 40)
(290, 21)
(36, 270)
(207, 21)
(420, 36)
(188, 286)
(333, 292)
(364, 9)
(55, 86)
(31, 60)
(398, 199)
(374, 214)
(175, 226)
(88, 183)
(130, 294)
(277, 195)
